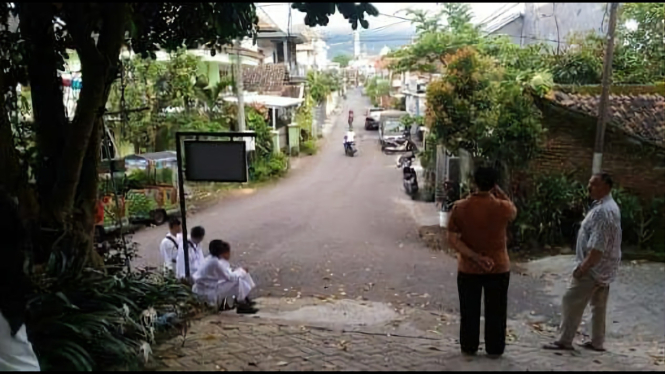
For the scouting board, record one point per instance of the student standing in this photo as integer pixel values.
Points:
(16, 353)
(169, 246)
(195, 253)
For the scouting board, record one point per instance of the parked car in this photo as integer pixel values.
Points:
(390, 126)
(372, 118)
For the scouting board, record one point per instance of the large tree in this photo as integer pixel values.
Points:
(55, 176)
(342, 59)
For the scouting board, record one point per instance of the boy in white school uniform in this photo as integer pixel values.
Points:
(195, 253)
(217, 284)
(169, 246)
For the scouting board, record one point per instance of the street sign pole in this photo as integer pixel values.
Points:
(183, 204)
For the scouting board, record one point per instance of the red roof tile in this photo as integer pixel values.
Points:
(642, 116)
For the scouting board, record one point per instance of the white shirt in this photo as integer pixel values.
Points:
(350, 135)
(601, 230)
(215, 281)
(195, 259)
(16, 352)
(169, 250)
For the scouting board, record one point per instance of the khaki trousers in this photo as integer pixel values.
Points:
(580, 293)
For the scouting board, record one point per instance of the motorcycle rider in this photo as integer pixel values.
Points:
(349, 138)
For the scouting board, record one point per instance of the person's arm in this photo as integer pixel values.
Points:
(455, 241)
(227, 273)
(598, 242)
(508, 206)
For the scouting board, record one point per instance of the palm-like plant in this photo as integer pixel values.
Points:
(209, 95)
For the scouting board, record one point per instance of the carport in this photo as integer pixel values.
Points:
(292, 132)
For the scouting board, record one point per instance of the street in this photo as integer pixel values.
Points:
(340, 222)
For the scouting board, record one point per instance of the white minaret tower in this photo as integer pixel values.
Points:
(356, 44)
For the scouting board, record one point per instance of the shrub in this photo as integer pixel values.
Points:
(642, 223)
(548, 211)
(82, 319)
(309, 147)
(275, 166)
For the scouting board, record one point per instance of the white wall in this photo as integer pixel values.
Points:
(321, 53)
(268, 49)
(540, 21)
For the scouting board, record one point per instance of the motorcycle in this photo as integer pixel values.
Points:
(350, 149)
(401, 144)
(409, 176)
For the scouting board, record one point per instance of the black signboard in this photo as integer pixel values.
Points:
(216, 161)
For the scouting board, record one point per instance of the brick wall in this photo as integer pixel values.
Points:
(569, 148)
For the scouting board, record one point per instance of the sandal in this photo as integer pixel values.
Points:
(589, 346)
(556, 346)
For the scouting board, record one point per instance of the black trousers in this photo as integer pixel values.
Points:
(470, 288)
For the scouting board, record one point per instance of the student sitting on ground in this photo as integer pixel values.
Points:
(217, 284)
(195, 253)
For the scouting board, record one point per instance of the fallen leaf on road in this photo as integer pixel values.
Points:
(343, 293)
(434, 349)
(251, 363)
(282, 363)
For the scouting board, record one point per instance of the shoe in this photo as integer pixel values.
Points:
(246, 310)
(250, 302)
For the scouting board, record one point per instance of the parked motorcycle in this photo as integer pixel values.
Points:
(409, 177)
(401, 144)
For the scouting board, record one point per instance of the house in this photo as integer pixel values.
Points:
(279, 46)
(634, 151)
(414, 88)
(510, 26)
(551, 23)
(312, 54)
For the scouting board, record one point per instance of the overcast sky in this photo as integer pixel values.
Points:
(388, 21)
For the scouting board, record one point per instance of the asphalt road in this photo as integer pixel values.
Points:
(342, 226)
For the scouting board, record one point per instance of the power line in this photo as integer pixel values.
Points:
(501, 9)
(506, 11)
(396, 39)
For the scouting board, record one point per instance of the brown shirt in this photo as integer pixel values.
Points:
(482, 220)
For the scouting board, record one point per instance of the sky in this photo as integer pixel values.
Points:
(389, 20)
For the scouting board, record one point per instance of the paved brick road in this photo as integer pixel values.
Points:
(233, 343)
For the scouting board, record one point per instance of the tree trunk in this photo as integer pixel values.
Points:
(67, 185)
(51, 124)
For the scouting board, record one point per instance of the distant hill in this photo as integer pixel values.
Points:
(371, 41)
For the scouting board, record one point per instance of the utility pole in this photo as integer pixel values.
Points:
(603, 107)
(240, 90)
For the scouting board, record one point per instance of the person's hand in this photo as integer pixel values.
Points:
(485, 263)
(246, 270)
(578, 273)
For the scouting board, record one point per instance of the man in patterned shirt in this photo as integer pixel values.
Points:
(598, 254)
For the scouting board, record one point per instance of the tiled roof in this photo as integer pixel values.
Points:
(642, 116)
(261, 78)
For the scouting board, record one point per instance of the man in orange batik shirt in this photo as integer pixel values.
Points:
(477, 231)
